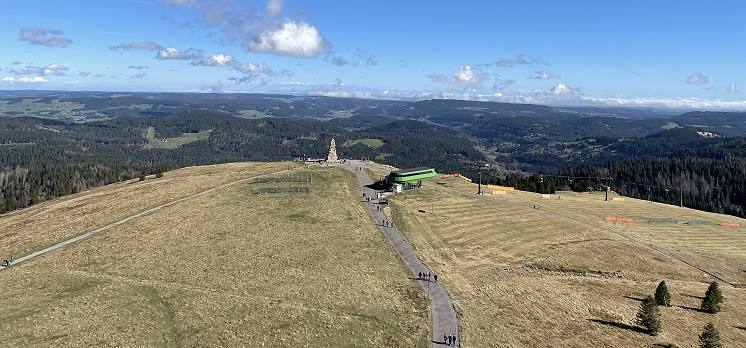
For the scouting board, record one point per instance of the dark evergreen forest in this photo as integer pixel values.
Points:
(43, 159)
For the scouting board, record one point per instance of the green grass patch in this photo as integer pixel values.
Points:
(176, 142)
(373, 143)
(252, 114)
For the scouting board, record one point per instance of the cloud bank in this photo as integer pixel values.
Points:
(44, 37)
(259, 31)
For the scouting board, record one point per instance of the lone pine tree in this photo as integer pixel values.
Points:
(662, 296)
(649, 316)
(713, 299)
(710, 337)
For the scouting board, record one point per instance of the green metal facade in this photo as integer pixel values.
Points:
(411, 175)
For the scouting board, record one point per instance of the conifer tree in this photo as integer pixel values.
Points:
(662, 296)
(710, 337)
(713, 299)
(649, 316)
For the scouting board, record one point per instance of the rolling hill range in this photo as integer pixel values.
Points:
(254, 253)
(226, 255)
(527, 269)
(56, 143)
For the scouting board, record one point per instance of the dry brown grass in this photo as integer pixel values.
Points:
(377, 170)
(44, 224)
(561, 275)
(230, 268)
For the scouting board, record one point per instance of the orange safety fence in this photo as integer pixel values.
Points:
(726, 224)
(456, 175)
(619, 219)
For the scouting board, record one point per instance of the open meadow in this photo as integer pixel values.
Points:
(229, 268)
(527, 269)
(43, 224)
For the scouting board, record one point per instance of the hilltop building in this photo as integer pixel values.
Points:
(409, 178)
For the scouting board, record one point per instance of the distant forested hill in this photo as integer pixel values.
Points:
(709, 175)
(42, 159)
(54, 143)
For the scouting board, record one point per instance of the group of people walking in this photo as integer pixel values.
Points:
(427, 276)
(449, 339)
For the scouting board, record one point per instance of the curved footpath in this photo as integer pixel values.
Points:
(445, 319)
(131, 218)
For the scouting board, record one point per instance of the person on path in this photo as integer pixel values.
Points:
(453, 339)
(419, 275)
(435, 277)
(445, 339)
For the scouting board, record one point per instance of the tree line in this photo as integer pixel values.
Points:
(43, 159)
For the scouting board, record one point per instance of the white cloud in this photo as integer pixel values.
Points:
(543, 75)
(274, 7)
(49, 70)
(139, 75)
(214, 60)
(43, 37)
(259, 31)
(293, 38)
(560, 89)
(254, 71)
(697, 79)
(54, 69)
(24, 79)
(465, 76)
(173, 53)
(732, 88)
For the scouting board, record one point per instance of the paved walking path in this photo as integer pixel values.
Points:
(445, 319)
(130, 218)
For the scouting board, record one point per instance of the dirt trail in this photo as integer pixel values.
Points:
(131, 218)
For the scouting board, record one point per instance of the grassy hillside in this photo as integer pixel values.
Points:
(229, 268)
(525, 270)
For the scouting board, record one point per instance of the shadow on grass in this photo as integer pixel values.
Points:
(693, 296)
(634, 298)
(740, 327)
(619, 325)
(665, 345)
(692, 309)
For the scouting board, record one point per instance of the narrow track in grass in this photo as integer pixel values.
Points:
(133, 217)
(445, 320)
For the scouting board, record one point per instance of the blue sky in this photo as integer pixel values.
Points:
(687, 54)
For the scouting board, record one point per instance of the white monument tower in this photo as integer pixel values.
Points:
(332, 157)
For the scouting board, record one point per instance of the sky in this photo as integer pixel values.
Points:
(666, 54)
